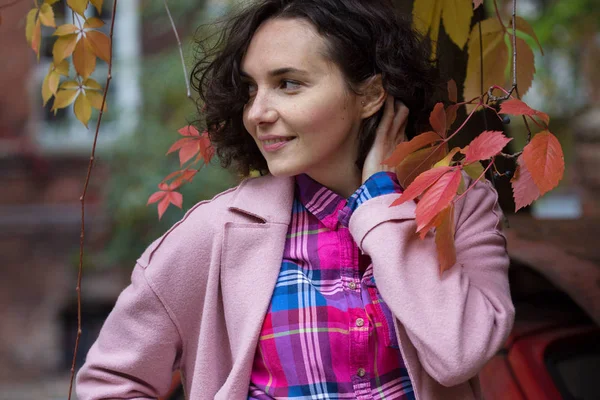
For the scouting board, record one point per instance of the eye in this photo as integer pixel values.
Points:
(290, 85)
(251, 89)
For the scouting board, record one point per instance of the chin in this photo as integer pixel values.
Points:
(284, 170)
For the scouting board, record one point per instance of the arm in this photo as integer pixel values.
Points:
(458, 321)
(137, 350)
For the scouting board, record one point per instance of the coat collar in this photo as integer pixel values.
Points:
(268, 198)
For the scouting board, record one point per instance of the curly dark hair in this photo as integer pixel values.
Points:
(364, 38)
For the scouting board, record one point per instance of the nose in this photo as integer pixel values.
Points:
(260, 110)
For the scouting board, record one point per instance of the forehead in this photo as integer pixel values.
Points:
(281, 43)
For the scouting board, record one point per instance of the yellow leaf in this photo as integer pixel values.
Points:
(53, 80)
(78, 6)
(445, 162)
(46, 92)
(98, 5)
(69, 85)
(83, 109)
(525, 67)
(36, 39)
(495, 59)
(523, 26)
(84, 59)
(65, 29)
(64, 47)
(30, 24)
(457, 16)
(47, 15)
(100, 44)
(95, 99)
(474, 170)
(63, 68)
(422, 13)
(91, 84)
(64, 98)
(93, 22)
(435, 27)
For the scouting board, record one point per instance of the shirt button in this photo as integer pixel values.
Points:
(360, 322)
(361, 372)
(352, 285)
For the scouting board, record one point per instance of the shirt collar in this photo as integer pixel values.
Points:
(319, 200)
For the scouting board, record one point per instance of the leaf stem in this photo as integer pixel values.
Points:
(474, 182)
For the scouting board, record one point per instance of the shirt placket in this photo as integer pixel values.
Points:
(359, 325)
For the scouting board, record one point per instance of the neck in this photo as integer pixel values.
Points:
(343, 181)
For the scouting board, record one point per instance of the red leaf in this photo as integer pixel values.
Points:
(444, 238)
(156, 197)
(485, 146)
(418, 162)
(206, 149)
(545, 161)
(524, 188)
(179, 144)
(451, 111)
(405, 148)
(437, 197)
(188, 151)
(176, 199)
(437, 119)
(452, 91)
(162, 206)
(186, 176)
(420, 184)
(189, 130)
(517, 107)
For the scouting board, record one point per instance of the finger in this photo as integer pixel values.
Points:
(399, 123)
(387, 118)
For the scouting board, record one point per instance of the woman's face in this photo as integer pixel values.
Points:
(300, 112)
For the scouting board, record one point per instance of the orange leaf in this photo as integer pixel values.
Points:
(451, 115)
(99, 44)
(524, 188)
(78, 6)
(405, 148)
(518, 107)
(545, 161)
(437, 197)
(420, 184)
(418, 162)
(93, 23)
(444, 238)
(36, 39)
(524, 26)
(486, 145)
(525, 66)
(82, 109)
(64, 47)
(84, 59)
(66, 29)
(98, 5)
(437, 119)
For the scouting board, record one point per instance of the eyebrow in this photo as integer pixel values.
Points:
(278, 72)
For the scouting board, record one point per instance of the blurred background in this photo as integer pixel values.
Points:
(554, 245)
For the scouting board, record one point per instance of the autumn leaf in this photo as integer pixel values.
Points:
(79, 6)
(485, 146)
(420, 184)
(52, 78)
(452, 91)
(426, 20)
(418, 162)
(477, 3)
(437, 119)
(47, 15)
(192, 144)
(84, 59)
(437, 197)
(451, 112)
(64, 47)
(72, 91)
(545, 162)
(525, 66)
(518, 107)
(456, 16)
(444, 238)
(525, 191)
(475, 171)
(165, 197)
(446, 161)
(98, 5)
(523, 26)
(403, 149)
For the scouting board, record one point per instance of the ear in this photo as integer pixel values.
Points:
(373, 96)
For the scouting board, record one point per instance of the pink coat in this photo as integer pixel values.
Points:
(199, 294)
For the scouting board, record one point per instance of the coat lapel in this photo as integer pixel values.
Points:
(252, 250)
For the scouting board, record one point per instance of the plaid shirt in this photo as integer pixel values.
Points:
(327, 333)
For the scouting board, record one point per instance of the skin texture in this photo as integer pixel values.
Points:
(312, 104)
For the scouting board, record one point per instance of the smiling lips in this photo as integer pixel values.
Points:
(272, 143)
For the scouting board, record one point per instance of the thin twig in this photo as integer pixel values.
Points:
(185, 74)
(514, 41)
(82, 198)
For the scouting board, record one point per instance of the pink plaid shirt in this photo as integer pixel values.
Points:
(328, 334)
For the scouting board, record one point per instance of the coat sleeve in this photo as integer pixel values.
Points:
(137, 349)
(456, 321)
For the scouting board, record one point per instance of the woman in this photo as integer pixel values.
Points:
(304, 283)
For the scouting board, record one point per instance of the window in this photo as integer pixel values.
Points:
(63, 133)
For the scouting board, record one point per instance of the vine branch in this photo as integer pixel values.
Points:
(82, 198)
(185, 73)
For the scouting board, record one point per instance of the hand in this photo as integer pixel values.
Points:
(389, 134)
